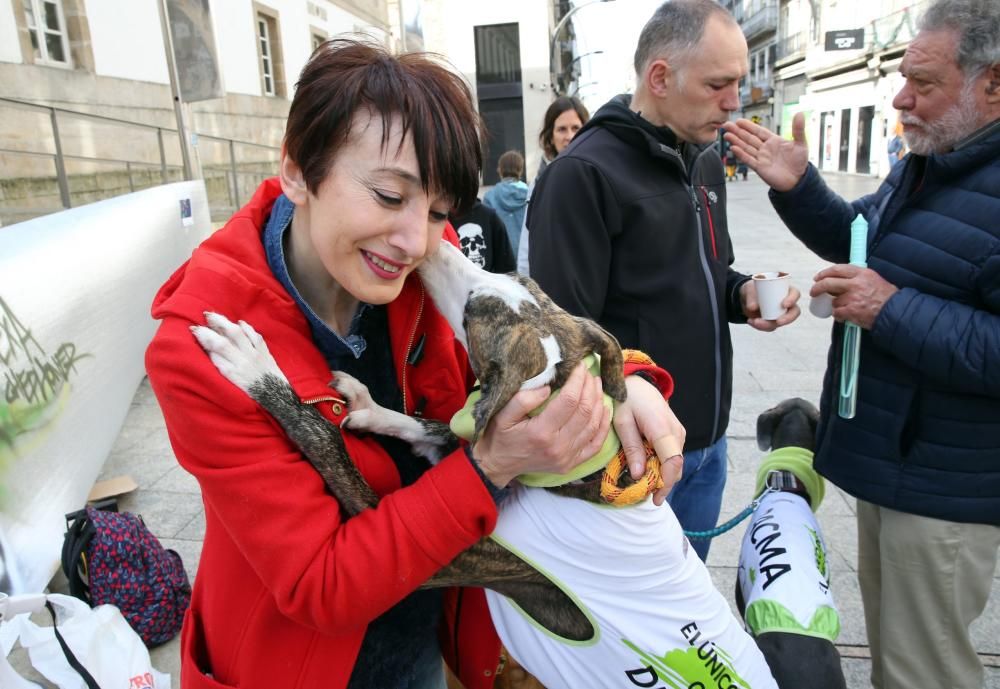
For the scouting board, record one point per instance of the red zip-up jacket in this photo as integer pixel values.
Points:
(286, 586)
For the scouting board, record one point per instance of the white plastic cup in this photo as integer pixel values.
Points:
(821, 305)
(772, 288)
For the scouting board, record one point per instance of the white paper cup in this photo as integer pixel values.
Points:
(772, 288)
(821, 305)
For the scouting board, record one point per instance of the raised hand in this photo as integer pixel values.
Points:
(779, 162)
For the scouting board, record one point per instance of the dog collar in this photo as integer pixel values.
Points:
(797, 463)
(784, 480)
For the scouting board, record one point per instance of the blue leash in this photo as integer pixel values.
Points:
(723, 528)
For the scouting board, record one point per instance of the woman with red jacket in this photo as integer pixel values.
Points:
(378, 149)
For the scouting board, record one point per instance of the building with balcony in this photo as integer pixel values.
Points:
(87, 108)
(837, 61)
(759, 21)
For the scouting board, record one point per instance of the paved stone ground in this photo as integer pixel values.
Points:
(768, 368)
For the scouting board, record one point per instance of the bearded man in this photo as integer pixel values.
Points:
(921, 455)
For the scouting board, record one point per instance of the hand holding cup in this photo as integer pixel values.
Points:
(772, 288)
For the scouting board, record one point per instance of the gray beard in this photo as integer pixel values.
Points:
(958, 122)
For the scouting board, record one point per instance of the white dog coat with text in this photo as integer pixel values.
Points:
(659, 620)
(783, 572)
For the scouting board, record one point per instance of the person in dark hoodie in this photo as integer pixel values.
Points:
(510, 196)
(483, 238)
(628, 227)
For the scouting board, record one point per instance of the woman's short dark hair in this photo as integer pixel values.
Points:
(434, 104)
(557, 108)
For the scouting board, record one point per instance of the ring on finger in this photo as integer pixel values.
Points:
(673, 446)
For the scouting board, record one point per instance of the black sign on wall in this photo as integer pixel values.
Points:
(846, 39)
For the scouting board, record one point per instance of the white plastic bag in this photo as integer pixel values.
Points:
(100, 638)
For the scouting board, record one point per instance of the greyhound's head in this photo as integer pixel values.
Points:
(790, 424)
(517, 338)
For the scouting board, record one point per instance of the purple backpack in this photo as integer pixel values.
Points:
(111, 557)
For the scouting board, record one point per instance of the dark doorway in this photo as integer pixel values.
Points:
(845, 138)
(825, 156)
(866, 116)
(498, 86)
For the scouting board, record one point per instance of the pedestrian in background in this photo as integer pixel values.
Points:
(730, 165)
(896, 147)
(510, 195)
(921, 454)
(628, 227)
(483, 238)
(563, 119)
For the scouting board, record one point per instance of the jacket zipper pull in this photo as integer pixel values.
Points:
(417, 353)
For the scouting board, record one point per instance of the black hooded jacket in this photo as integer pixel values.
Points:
(628, 227)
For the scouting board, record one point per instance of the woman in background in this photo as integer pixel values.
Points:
(563, 119)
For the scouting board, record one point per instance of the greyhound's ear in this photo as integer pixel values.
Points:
(813, 414)
(604, 343)
(765, 427)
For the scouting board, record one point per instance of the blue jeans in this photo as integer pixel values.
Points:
(697, 498)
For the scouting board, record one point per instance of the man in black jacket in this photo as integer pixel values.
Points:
(628, 227)
(921, 453)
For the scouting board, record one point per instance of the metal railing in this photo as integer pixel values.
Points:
(791, 45)
(755, 91)
(763, 20)
(894, 29)
(87, 157)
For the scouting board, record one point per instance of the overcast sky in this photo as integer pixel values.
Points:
(611, 27)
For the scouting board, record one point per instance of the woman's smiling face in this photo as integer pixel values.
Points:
(370, 222)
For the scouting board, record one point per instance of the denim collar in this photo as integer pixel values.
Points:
(333, 346)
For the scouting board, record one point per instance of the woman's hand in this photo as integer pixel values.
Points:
(570, 430)
(646, 415)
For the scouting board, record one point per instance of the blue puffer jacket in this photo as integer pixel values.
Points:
(926, 438)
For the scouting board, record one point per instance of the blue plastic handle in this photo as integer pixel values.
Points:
(851, 356)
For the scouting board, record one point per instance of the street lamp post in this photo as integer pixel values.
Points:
(568, 70)
(555, 39)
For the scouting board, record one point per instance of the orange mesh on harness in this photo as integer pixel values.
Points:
(649, 483)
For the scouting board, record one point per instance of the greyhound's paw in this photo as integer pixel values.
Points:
(374, 419)
(358, 421)
(354, 391)
(428, 439)
(237, 350)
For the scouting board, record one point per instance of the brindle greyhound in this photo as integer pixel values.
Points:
(516, 337)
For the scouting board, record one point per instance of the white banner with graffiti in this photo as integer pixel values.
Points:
(75, 292)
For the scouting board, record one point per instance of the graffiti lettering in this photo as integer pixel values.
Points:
(16, 341)
(29, 376)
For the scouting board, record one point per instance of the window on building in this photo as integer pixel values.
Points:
(272, 75)
(499, 90)
(46, 26)
(266, 54)
(318, 38)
